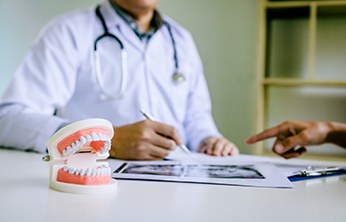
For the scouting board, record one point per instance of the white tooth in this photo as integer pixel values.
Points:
(72, 170)
(88, 138)
(106, 146)
(98, 172)
(100, 151)
(78, 144)
(88, 172)
(105, 143)
(108, 143)
(99, 136)
(66, 168)
(93, 172)
(109, 171)
(103, 137)
(95, 136)
(104, 171)
(64, 152)
(82, 172)
(83, 140)
(77, 171)
(74, 148)
(68, 149)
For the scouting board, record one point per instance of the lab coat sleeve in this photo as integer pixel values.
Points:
(44, 81)
(199, 122)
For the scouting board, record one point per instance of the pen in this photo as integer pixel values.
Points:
(150, 117)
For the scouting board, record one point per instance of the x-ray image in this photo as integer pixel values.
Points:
(211, 171)
(193, 170)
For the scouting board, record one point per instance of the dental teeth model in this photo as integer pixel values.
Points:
(73, 153)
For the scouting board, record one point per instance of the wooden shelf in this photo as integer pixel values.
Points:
(301, 62)
(300, 82)
(292, 3)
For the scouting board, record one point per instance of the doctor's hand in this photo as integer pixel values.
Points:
(218, 147)
(290, 135)
(145, 140)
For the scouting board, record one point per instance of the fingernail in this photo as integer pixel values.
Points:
(279, 148)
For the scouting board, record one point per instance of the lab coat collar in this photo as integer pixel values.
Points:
(114, 20)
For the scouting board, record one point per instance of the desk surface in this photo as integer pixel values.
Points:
(25, 196)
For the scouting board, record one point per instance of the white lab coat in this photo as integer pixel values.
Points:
(58, 76)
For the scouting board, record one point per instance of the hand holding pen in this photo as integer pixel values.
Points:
(144, 140)
(150, 117)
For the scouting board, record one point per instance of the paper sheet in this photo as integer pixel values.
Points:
(199, 168)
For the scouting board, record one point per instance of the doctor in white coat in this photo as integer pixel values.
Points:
(59, 81)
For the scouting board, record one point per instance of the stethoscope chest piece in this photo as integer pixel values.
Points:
(178, 78)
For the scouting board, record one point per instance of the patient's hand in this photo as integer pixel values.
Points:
(218, 147)
(293, 136)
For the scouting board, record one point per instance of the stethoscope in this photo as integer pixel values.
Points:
(177, 76)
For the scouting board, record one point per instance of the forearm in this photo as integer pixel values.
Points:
(199, 123)
(26, 130)
(337, 134)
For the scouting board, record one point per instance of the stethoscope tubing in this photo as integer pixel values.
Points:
(177, 77)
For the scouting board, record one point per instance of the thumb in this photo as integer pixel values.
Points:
(284, 145)
(206, 144)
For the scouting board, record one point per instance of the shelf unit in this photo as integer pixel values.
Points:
(301, 63)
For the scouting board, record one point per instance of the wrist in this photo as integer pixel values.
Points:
(336, 132)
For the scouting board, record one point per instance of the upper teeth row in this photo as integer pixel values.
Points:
(88, 138)
(100, 171)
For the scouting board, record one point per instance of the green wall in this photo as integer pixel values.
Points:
(20, 22)
(225, 32)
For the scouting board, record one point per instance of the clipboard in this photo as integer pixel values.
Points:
(315, 173)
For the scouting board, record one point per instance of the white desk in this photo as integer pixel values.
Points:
(25, 196)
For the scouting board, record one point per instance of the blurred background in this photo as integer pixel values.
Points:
(226, 34)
